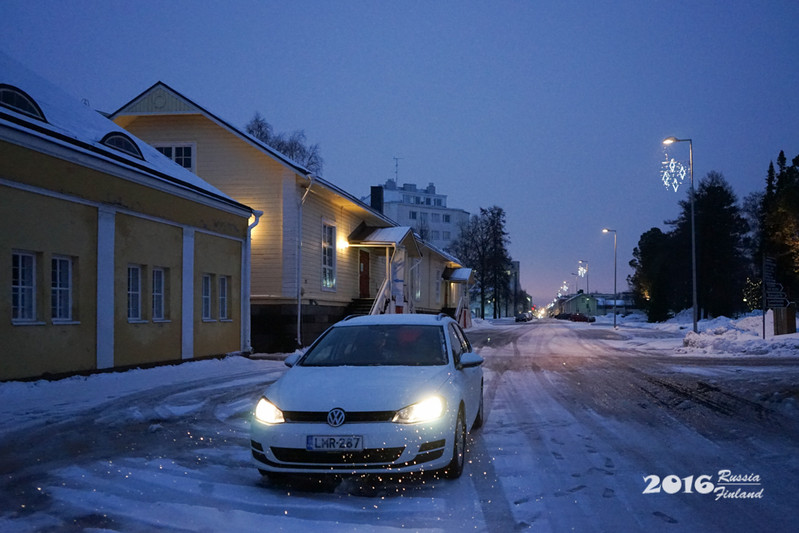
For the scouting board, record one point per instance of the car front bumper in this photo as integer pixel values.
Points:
(387, 447)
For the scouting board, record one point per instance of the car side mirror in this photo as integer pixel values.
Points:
(292, 359)
(470, 360)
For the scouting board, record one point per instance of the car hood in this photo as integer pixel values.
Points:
(352, 388)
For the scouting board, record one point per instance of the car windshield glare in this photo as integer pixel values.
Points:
(379, 345)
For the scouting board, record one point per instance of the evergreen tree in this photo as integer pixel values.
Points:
(651, 278)
(499, 260)
(781, 224)
(721, 264)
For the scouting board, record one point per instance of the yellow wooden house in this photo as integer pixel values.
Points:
(318, 252)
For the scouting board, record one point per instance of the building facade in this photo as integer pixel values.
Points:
(423, 209)
(318, 253)
(116, 257)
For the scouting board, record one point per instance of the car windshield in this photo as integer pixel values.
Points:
(377, 345)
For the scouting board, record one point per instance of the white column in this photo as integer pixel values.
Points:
(187, 295)
(106, 227)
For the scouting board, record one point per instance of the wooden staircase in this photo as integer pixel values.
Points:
(360, 306)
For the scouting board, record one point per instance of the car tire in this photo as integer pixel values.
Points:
(478, 420)
(455, 467)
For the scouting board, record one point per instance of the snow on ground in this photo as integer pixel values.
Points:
(717, 336)
(218, 394)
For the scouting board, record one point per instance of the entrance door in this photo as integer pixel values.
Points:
(363, 269)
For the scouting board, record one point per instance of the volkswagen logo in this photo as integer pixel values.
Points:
(336, 417)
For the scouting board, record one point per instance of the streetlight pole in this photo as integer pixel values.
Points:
(667, 142)
(615, 294)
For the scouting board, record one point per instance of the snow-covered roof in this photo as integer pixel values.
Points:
(458, 275)
(365, 235)
(71, 124)
(446, 255)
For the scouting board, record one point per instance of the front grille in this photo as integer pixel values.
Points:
(369, 456)
(351, 416)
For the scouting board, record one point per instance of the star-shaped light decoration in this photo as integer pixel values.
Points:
(673, 173)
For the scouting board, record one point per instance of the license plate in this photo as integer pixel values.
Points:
(334, 443)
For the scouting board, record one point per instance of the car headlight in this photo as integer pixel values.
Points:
(267, 413)
(424, 411)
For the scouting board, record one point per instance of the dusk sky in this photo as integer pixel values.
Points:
(554, 111)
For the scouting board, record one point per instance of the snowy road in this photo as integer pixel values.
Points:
(577, 416)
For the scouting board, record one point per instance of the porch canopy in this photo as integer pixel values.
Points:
(395, 236)
(458, 275)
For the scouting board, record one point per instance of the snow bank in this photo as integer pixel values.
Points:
(741, 337)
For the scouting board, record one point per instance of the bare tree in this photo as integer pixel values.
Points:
(292, 146)
(482, 246)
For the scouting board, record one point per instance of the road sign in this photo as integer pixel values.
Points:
(771, 303)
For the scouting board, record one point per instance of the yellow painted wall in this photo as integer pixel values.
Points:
(240, 171)
(46, 227)
(148, 244)
(33, 168)
(218, 257)
(316, 212)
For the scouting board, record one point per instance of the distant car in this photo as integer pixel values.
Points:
(524, 317)
(579, 317)
(381, 393)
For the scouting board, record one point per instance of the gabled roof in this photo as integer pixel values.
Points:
(446, 255)
(177, 103)
(70, 124)
(181, 104)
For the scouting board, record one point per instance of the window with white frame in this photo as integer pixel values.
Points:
(159, 288)
(224, 297)
(182, 154)
(134, 292)
(61, 288)
(23, 287)
(328, 257)
(447, 219)
(206, 297)
(412, 215)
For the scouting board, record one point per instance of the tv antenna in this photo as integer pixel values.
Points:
(396, 168)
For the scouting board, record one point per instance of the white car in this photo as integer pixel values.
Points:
(381, 393)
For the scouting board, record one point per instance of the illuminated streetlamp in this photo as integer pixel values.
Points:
(615, 294)
(668, 141)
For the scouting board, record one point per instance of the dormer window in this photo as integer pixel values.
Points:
(123, 143)
(19, 101)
